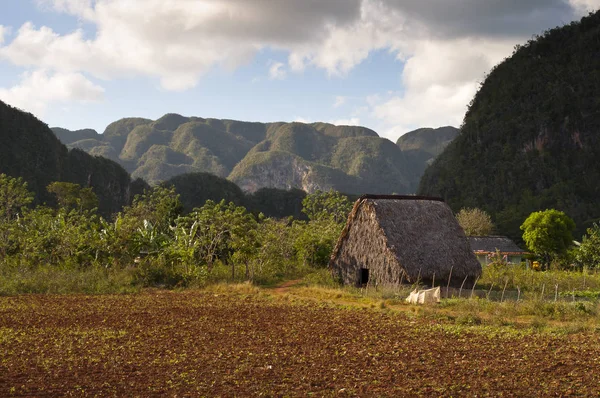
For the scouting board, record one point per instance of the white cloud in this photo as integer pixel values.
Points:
(339, 101)
(180, 40)
(176, 41)
(81, 8)
(3, 31)
(440, 78)
(277, 71)
(353, 121)
(301, 119)
(39, 89)
(585, 6)
(433, 107)
(447, 45)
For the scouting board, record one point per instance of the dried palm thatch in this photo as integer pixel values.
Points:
(403, 239)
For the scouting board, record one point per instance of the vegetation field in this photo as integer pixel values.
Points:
(258, 342)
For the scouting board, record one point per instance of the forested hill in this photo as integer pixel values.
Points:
(423, 145)
(531, 137)
(30, 150)
(257, 155)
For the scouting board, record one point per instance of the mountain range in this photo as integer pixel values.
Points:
(317, 156)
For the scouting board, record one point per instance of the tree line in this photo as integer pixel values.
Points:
(161, 243)
(547, 234)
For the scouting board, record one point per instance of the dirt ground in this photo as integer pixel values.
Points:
(161, 343)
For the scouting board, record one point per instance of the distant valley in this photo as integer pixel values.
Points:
(317, 156)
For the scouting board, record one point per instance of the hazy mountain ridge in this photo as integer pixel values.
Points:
(530, 139)
(256, 155)
(428, 140)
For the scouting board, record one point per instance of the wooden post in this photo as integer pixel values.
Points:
(543, 288)
(473, 289)
(490, 291)
(519, 293)
(461, 286)
(555, 292)
(503, 290)
(401, 279)
(448, 285)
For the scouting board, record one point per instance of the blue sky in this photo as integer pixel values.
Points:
(386, 64)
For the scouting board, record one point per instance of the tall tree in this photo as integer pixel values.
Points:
(475, 222)
(588, 254)
(548, 233)
(14, 195)
(72, 196)
(330, 205)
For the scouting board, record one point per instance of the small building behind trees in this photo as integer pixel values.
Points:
(392, 239)
(486, 248)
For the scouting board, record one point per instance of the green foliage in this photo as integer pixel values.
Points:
(14, 195)
(330, 205)
(588, 254)
(48, 279)
(73, 196)
(58, 238)
(158, 244)
(530, 138)
(564, 282)
(142, 228)
(475, 222)
(215, 231)
(548, 233)
(276, 255)
(315, 241)
(159, 206)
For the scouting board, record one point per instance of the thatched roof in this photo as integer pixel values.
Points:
(489, 244)
(420, 232)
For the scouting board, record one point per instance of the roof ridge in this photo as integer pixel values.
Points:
(488, 236)
(401, 197)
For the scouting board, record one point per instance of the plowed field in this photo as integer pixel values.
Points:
(207, 344)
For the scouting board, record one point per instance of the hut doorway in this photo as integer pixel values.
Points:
(364, 276)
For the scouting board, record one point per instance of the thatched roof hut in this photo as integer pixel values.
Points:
(392, 239)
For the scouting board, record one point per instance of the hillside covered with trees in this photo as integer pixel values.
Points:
(317, 156)
(30, 150)
(531, 137)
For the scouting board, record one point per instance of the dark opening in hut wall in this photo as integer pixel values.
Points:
(404, 240)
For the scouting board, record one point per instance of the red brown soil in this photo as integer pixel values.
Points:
(207, 344)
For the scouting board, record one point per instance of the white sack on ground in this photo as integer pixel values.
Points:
(424, 296)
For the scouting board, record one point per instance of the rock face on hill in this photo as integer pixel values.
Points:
(531, 137)
(30, 150)
(317, 156)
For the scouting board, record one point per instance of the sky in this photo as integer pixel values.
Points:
(390, 65)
